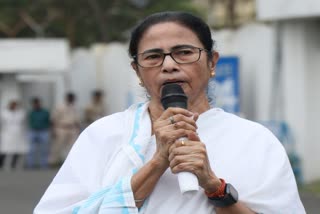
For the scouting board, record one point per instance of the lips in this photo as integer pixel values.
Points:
(173, 81)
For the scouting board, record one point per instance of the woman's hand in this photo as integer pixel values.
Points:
(191, 156)
(173, 124)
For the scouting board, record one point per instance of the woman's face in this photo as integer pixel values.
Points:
(192, 77)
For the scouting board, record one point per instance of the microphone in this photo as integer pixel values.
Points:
(172, 95)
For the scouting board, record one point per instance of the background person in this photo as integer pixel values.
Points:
(66, 128)
(13, 145)
(95, 109)
(39, 125)
(132, 157)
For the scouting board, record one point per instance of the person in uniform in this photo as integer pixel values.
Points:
(66, 128)
(95, 109)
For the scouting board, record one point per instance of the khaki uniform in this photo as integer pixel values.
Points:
(66, 124)
(93, 112)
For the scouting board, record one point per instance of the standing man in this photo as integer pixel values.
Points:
(66, 128)
(39, 124)
(95, 109)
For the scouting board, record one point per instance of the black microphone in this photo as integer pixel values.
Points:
(172, 95)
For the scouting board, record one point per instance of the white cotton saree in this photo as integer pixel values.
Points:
(96, 176)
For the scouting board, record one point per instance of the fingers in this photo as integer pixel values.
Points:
(186, 151)
(173, 111)
(191, 162)
(174, 122)
(178, 121)
(169, 135)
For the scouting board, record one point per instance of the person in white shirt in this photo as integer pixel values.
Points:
(128, 162)
(14, 143)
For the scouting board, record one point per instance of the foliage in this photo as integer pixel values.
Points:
(83, 22)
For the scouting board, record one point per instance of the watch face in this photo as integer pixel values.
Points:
(232, 191)
(230, 197)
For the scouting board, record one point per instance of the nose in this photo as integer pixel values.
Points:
(169, 65)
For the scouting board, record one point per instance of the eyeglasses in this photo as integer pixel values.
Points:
(181, 55)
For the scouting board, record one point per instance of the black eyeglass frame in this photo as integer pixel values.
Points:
(135, 57)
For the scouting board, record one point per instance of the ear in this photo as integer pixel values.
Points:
(214, 59)
(136, 69)
(213, 63)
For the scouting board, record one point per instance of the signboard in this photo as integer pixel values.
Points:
(226, 84)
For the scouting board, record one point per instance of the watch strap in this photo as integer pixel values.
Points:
(220, 192)
(230, 197)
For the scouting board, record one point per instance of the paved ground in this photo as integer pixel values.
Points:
(20, 191)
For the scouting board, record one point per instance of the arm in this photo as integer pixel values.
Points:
(144, 181)
(237, 208)
(192, 157)
(263, 176)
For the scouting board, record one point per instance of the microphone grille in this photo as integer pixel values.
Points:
(172, 95)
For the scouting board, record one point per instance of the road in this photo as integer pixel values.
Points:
(21, 190)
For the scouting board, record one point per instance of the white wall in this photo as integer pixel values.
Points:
(284, 9)
(107, 67)
(297, 100)
(9, 90)
(28, 63)
(31, 55)
(82, 78)
(117, 76)
(301, 86)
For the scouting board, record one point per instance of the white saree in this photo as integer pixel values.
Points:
(96, 176)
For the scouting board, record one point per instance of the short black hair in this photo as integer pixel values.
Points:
(35, 100)
(194, 23)
(70, 97)
(97, 93)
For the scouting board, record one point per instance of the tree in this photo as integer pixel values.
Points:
(83, 22)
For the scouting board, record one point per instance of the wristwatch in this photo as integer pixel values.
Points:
(229, 197)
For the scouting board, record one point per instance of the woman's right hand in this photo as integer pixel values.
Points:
(173, 124)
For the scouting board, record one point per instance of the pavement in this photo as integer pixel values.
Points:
(20, 191)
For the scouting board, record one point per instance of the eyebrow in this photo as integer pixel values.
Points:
(159, 50)
(181, 46)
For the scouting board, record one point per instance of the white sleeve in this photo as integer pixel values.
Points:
(77, 186)
(270, 182)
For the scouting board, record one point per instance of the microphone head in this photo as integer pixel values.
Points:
(172, 95)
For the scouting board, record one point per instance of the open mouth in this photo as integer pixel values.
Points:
(173, 82)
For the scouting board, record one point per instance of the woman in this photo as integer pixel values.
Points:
(132, 157)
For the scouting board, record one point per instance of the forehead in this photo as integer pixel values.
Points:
(166, 35)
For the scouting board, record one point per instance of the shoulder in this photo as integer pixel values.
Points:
(240, 124)
(59, 108)
(103, 137)
(45, 110)
(238, 131)
(112, 126)
(220, 117)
